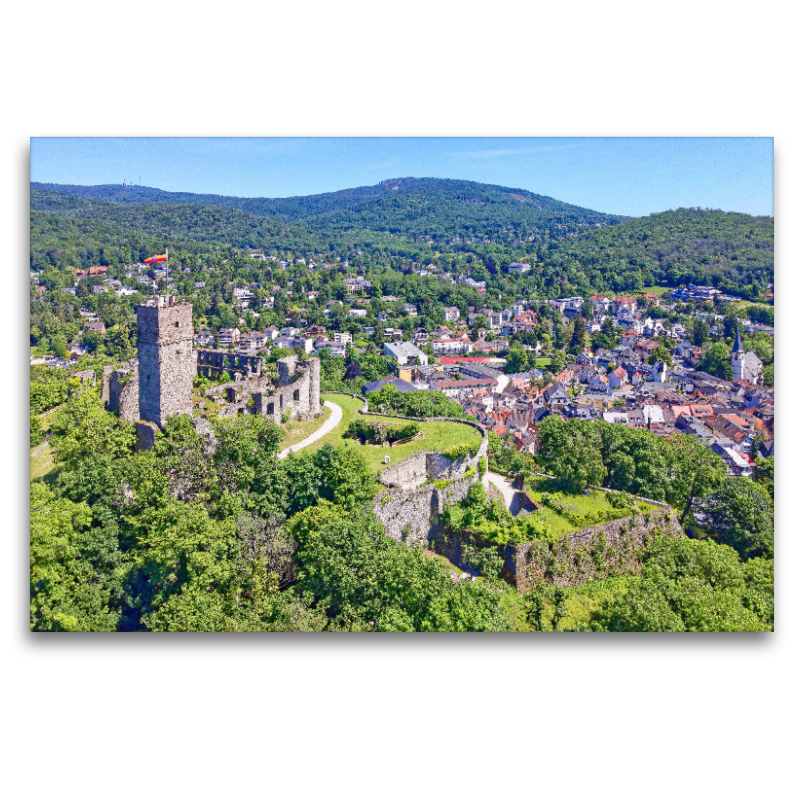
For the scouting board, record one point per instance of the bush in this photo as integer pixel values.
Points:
(380, 432)
(36, 430)
(460, 451)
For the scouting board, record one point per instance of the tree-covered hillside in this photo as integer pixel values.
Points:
(468, 228)
(411, 206)
(674, 247)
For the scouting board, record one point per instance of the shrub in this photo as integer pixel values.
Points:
(460, 451)
(380, 432)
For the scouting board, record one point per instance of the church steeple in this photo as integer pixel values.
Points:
(737, 347)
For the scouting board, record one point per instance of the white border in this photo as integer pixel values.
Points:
(202, 716)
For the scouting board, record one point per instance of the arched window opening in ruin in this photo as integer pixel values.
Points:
(296, 395)
(270, 408)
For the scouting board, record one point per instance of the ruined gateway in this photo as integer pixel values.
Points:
(161, 385)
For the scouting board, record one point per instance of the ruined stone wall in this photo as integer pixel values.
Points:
(297, 392)
(406, 515)
(214, 363)
(409, 510)
(407, 474)
(167, 363)
(412, 516)
(104, 386)
(146, 435)
(594, 553)
(123, 393)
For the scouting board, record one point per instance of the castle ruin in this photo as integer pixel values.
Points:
(161, 385)
(167, 363)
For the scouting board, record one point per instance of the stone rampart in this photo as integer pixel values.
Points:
(594, 553)
(412, 516)
(406, 515)
(407, 474)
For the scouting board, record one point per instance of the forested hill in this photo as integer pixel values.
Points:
(73, 231)
(670, 248)
(415, 207)
(470, 226)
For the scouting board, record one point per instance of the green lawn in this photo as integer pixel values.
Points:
(579, 504)
(295, 432)
(42, 464)
(543, 362)
(742, 305)
(438, 435)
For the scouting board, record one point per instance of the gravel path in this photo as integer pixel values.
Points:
(503, 485)
(333, 420)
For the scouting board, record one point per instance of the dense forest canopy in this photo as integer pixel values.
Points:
(471, 228)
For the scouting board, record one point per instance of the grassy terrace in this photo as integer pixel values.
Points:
(580, 505)
(438, 435)
(295, 432)
(42, 464)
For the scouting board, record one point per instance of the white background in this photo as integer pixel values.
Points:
(390, 716)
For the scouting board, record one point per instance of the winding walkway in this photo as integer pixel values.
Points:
(333, 420)
(511, 497)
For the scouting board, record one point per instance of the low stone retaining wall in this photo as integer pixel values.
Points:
(594, 553)
(412, 516)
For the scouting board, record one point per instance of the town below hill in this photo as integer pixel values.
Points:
(626, 361)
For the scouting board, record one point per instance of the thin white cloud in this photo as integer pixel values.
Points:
(503, 152)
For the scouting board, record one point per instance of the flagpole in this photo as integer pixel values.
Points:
(166, 251)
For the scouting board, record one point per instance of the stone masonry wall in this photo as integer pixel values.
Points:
(123, 393)
(167, 362)
(594, 553)
(407, 474)
(146, 435)
(406, 515)
(213, 363)
(412, 516)
(297, 391)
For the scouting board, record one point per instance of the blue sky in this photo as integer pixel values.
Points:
(632, 176)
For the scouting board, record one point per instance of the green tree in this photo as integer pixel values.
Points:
(740, 514)
(688, 585)
(717, 361)
(516, 360)
(73, 582)
(571, 451)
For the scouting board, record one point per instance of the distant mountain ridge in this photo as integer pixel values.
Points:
(416, 220)
(409, 206)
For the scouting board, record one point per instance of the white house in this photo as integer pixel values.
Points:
(401, 353)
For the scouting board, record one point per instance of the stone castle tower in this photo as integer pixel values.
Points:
(167, 362)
